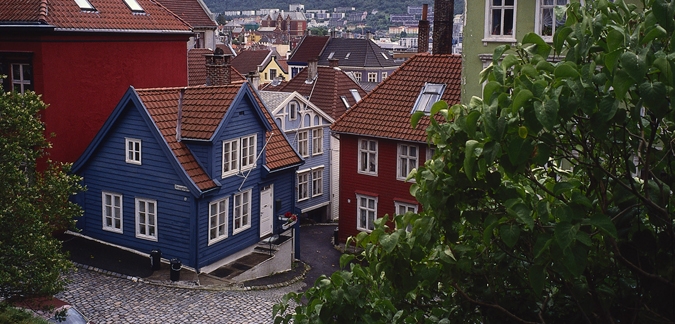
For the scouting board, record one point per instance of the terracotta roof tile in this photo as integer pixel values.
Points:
(385, 112)
(191, 11)
(203, 108)
(326, 91)
(110, 15)
(248, 61)
(309, 47)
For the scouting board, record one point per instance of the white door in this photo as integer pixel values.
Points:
(266, 210)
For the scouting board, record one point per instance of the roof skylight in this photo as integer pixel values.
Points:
(330, 56)
(84, 5)
(385, 56)
(347, 56)
(430, 94)
(345, 102)
(355, 94)
(134, 6)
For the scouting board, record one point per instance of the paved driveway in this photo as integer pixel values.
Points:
(109, 299)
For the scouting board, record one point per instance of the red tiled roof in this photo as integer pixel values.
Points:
(110, 15)
(191, 11)
(385, 112)
(248, 61)
(310, 47)
(326, 91)
(226, 49)
(197, 68)
(203, 109)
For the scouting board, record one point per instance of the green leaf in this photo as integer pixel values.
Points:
(521, 98)
(537, 276)
(490, 151)
(497, 54)
(415, 118)
(519, 150)
(566, 71)
(470, 158)
(345, 259)
(390, 241)
(615, 40)
(612, 59)
(604, 223)
(471, 122)
(622, 83)
(584, 238)
(522, 132)
(656, 32)
(547, 113)
(607, 108)
(438, 106)
(559, 38)
(489, 90)
(565, 233)
(523, 214)
(653, 95)
(635, 66)
(509, 233)
(540, 46)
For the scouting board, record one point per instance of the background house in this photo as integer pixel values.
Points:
(207, 172)
(378, 147)
(263, 61)
(308, 131)
(81, 56)
(198, 15)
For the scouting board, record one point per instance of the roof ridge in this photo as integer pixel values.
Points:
(43, 11)
(171, 12)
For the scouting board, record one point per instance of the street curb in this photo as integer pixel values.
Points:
(195, 285)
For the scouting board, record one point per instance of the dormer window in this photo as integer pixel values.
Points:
(431, 93)
(85, 5)
(134, 6)
(292, 110)
(133, 150)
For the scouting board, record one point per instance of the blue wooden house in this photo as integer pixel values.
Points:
(200, 173)
(308, 129)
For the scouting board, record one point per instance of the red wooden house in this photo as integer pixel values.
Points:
(378, 147)
(82, 55)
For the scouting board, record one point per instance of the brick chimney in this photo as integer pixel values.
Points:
(423, 33)
(217, 68)
(333, 62)
(444, 12)
(312, 69)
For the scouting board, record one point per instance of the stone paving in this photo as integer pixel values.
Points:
(111, 299)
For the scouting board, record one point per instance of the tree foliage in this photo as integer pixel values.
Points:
(548, 200)
(33, 204)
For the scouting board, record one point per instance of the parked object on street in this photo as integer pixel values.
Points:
(176, 265)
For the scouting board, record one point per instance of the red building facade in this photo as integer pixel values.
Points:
(82, 66)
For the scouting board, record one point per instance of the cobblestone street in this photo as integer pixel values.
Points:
(107, 299)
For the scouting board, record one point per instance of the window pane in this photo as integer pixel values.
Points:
(508, 22)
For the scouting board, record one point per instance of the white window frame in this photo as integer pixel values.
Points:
(367, 156)
(430, 94)
(488, 22)
(302, 178)
(538, 18)
(384, 75)
(112, 211)
(231, 155)
(317, 181)
(218, 220)
(149, 226)
(273, 73)
(303, 143)
(357, 76)
(134, 6)
(404, 160)
(292, 110)
(241, 211)
(317, 141)
(248, 151)
(365, 224)
(85, 5)
(430, 153)
(401, 208)
(372, 76)
(133, 154)
(18, 81)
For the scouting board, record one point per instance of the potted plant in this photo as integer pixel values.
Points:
(290, 220)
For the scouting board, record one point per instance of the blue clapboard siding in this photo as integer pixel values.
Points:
(202, 151)
(107, 170)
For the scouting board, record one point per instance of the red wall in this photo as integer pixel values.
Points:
(385, 186)
(82, 78)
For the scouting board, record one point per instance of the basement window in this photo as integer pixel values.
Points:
(85, 5)
(430, 94)
(134, 6)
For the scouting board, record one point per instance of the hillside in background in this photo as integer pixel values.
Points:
(382, 6)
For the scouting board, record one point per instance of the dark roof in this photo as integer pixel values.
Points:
(309, 47)
(203, 110)
(326, 91)
(248, 61)
(197, 68)
(109, 16)
(385, 112)
(356, 52)
(191, 11)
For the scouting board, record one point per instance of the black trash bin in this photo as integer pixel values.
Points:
(155, 259)
(335, 236)
(176, 265)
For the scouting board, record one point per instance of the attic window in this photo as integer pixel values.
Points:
(347, 56)
(330, 56)
(355, 94)
(134, 6)
(385, 56)
(85, 5)
(344, 101)
(430, 94)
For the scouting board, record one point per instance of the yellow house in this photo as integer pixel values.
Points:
(264, 61)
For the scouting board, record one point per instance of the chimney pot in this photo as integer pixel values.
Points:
(218, 68)
(423, 31)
